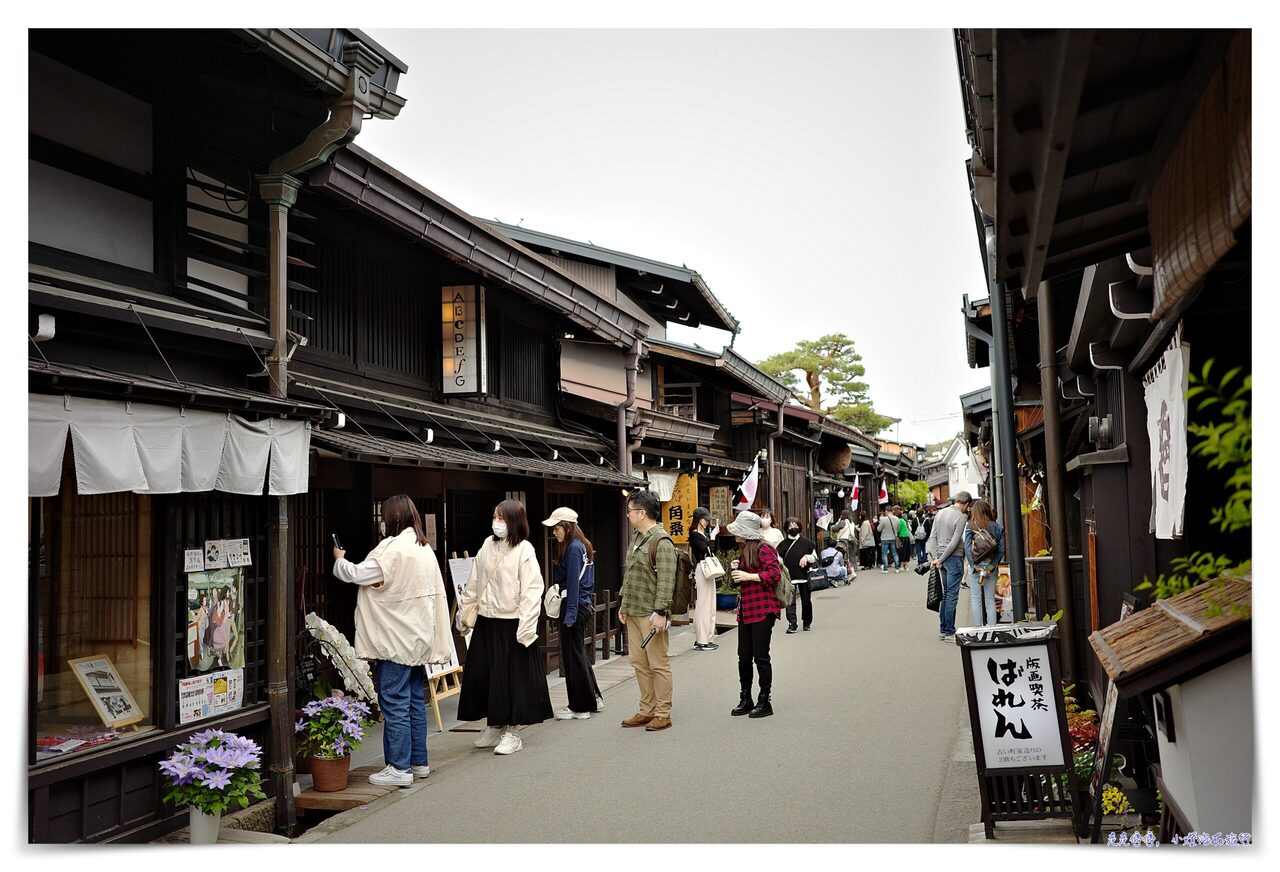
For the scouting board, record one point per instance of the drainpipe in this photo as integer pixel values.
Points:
(1055, 491)
(1002, 400)
(279, 188)
(632, 367)
(773, 460)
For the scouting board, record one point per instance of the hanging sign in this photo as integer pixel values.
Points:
(677, 513)
(462, 336)
(1165, 390)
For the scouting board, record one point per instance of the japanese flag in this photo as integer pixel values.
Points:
(747, 489)
(884, 494)
(857, 489)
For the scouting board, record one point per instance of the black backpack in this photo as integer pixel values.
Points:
(683, 592)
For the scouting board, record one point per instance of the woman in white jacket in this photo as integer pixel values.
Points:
(402, 621)
(505, 685)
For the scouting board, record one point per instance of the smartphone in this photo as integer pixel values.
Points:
(336, 543)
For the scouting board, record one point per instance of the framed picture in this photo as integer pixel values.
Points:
(215, 611)
(102, 684)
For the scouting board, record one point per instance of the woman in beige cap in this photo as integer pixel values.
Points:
(575, 573)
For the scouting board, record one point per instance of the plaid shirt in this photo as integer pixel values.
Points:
(756, 599)
(642, 592)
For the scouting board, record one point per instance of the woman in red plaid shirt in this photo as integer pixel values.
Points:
(756, 572)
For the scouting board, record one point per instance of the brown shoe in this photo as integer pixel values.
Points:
(658, 724)
(637, 720)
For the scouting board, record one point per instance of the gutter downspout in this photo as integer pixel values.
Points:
(279, 188)
(773, 460)
(624, 448)
(1056, 486)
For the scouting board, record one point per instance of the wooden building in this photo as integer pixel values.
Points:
(1111, 186)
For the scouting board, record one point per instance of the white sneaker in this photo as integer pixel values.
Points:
(489, 737)
(568, 714)
(392, 777)
(421, 771)
(509, 744)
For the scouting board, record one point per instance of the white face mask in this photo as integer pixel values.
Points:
(766, 523)
(500, 529)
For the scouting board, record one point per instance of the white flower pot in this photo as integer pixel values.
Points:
(204, 827)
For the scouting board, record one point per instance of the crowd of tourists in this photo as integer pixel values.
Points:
(402, 612)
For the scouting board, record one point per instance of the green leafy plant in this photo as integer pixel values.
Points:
(726, 557)
(332, 727)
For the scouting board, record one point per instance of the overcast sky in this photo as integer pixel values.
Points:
(814, 178)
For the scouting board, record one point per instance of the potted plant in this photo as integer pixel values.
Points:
(209, 773)
(726, 593)
(328, 731)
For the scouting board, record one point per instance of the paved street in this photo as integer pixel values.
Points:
(869, 743)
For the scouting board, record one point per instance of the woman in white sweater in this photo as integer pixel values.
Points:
(505, 683)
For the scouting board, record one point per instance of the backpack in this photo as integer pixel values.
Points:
(922, 531)
(683, 592)
(984, 544)
(785, 589)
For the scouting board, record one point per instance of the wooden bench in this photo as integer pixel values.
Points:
(358, 792)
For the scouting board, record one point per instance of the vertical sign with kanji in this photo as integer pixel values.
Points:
(677, 512)
(719, 504)
(1016, 707)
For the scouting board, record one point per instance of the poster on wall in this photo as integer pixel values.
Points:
(101, 682)
(205, 696)
(237, 552)
(215, 616)
(193, 560)
(677, 513)
(429, 527)
(460, 572)
(215, 555)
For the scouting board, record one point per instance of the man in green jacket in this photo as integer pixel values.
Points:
(647, 589)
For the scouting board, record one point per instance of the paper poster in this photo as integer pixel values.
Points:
(460, 572)
(215, 555)
(193, 560)
(237, 551)
(718, 503)
(429, 527)
(1166, 399)
(204, 696)
(215, 611)
(1017, 707)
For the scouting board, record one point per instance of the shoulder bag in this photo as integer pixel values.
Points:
(467, 617)
(554, 597)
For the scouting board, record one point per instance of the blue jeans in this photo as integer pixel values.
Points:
(888, 547)
(952, 570)
(921, 556)
(404, 714)
(978, 594)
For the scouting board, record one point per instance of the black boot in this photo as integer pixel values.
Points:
(744, 704)
(763, 709)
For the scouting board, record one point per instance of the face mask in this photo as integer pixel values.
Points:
(500, 529)
(794, 531)
(766, 523)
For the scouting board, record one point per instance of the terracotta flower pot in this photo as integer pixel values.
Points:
(330, 774)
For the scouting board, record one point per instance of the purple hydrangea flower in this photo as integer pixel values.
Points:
(300, 726)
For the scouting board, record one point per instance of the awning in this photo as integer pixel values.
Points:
(374, 449)
(663, 484)
(120, 445)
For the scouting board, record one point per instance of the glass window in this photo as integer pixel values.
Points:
(93, 664)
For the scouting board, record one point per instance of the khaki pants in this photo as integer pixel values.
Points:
(652, 666)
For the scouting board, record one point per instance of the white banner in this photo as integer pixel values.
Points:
(1166, 396)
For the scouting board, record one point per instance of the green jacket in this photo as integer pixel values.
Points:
(643, 590)
(904, 531)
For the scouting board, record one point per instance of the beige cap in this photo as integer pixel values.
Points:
(561, 514)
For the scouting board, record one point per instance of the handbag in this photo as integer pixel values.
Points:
(818, 579)
(554, 597)
(468, 615)
(711, 567)
(933, 599)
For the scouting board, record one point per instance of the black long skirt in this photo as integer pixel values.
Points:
(503, 682)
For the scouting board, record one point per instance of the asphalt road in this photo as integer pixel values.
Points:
(869, 743)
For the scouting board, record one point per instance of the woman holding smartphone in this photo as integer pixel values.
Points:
(701, 542)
